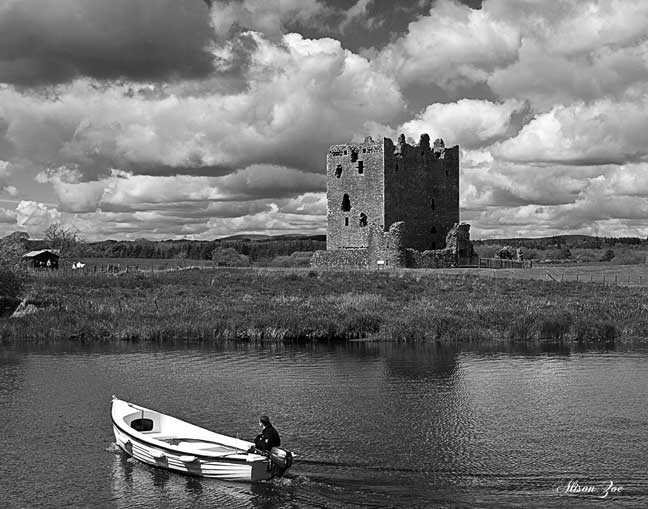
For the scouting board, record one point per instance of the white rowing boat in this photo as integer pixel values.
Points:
(164, 441)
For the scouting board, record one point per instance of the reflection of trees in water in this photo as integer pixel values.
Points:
(12, 372)
(428, 360)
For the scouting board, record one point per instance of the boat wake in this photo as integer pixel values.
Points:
(112, 447)
(357, 465)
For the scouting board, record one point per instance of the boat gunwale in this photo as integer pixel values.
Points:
(179, 451)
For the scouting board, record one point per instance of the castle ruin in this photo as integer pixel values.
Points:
(393, 205)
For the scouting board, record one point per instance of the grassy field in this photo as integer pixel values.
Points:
(606, 273)
(603, 273)
(305, 305)
(138, 263)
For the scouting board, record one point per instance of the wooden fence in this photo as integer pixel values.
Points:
(499, 263)
(606, 279)
(116, 268)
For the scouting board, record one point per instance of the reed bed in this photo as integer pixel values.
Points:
(305, 305)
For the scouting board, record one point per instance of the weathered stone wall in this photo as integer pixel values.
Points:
(422, 189)
(458, 239)
(341, 258)
(459, 250)
(354, 170)
(430, 259)
(386, 248)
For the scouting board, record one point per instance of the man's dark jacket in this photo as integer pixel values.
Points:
(268, 439)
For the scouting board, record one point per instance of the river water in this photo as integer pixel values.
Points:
(372, 425)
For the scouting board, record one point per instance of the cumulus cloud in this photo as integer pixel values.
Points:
(225, 127)
(305, 213)
(454, 46)
(299, 93)
(53, 42)
(35, 216)
(358, 10)
(573, 50)
(216, 220)
(567, 27)
(507, 199)
(469, 123)
(123, 191)
(544, 52)
(601, 132)
(7, 218)
(270, 17)
(4, 173)
(604, 72)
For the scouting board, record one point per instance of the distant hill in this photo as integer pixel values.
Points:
(560, 241)
(257, 237)
(559, 238)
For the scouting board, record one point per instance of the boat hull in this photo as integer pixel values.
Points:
(230, 471)
(166, 442)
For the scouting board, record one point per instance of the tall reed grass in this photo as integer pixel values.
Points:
(304, 305)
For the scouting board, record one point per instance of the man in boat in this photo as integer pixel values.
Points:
(269, 437)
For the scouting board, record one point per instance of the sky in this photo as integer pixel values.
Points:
(199, 119)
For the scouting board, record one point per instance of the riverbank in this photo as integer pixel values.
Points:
(306, 305)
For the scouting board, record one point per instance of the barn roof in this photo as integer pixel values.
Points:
(33, 254)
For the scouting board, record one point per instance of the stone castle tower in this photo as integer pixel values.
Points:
(379, 183)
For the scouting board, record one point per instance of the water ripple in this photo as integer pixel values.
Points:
(372, 425)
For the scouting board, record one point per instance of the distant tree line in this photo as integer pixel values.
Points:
(566, 242)
(12, 271)
(253, 249)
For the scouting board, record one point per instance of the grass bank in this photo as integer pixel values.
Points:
(305, 305)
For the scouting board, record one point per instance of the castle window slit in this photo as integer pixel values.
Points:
(363, 219)
(346, 203)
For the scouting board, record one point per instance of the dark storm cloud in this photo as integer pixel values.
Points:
(45, 42)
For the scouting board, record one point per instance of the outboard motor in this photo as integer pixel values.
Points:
(281, 460)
